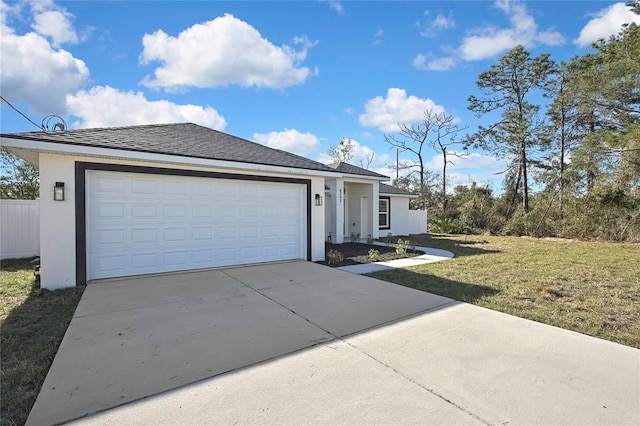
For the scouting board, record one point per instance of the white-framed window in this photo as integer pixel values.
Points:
(384, 213)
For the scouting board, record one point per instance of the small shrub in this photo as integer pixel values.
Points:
(334, 257)
(374, 255)
(355, 237)
(370, 239)
(447, 226)
(403, 246)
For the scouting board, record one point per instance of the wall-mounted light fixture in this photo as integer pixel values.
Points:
(340, 195)
(58, 191)
(318, 200)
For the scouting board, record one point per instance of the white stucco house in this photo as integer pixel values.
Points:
(160, 198)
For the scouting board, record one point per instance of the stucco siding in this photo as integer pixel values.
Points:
(58, 218)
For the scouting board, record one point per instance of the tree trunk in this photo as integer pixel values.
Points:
(525, 182)
(515, 192)
(444, 181)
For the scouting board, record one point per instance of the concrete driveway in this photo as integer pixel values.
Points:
(301, 343)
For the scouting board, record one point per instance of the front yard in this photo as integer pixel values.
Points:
(33, 324)
(589, 287)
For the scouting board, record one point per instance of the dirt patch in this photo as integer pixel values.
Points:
(358, 253)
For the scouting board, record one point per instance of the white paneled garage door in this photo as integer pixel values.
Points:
(146, 223)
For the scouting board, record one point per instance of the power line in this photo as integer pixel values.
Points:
(19, 112)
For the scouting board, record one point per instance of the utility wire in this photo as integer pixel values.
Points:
(19, 112)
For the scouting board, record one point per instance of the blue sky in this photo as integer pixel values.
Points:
(295, 75)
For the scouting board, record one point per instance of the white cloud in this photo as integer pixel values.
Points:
(8, 10)
(433, 26)
(220, 52)
(33, 71)
(337, 6)
(606, 22)
(397, 107)
(443, 23)
(489, 41)
(443, 63)
(107, 107)
(39, 74)
(54, 23)
(289, 140)
(377, 37)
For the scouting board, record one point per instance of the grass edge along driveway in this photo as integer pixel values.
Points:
(588, 287)
(33, 323)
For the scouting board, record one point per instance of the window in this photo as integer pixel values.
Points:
(384, 216)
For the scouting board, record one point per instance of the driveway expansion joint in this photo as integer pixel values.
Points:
(281, 305)
(421, 386)
(344, 337)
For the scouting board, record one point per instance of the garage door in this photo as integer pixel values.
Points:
(147, 223)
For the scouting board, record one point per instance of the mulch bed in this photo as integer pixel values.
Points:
(358, 253)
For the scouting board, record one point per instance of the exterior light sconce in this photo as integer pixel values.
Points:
(340, 195)
(318, 200)
(58, 191)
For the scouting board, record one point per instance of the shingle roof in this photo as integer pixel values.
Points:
(355, 170)
(388, 189)
(183, 139)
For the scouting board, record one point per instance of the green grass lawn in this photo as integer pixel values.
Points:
(33, 323)
(588, 287)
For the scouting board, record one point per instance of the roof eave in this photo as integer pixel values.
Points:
(91, 151)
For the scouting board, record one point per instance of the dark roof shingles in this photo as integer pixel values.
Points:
(182, 139)
(355, 170)
(388, 189)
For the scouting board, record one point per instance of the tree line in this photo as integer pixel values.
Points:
(571, 130)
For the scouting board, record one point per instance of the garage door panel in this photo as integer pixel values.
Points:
(109, 211)
(140, 224)
(175, 235)
(226, 189)
(289, 249)
(112, 264)
(144, 186)
(203, 256)
(144, 261)
(202, 211)
(202, 233)
(111, 185)
(174, 211)
(145, 235)
(111, 237)
(144, 211)
(176, 258)
(250, 192)
(202, 189)
(174, 188)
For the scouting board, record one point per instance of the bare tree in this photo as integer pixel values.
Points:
(343, 151)
(367, 161)
(437, 130)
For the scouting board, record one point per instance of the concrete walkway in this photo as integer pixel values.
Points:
(301, 343)
(430, 255)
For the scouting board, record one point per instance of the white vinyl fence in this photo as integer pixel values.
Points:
(19, 228)
(418, 222)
